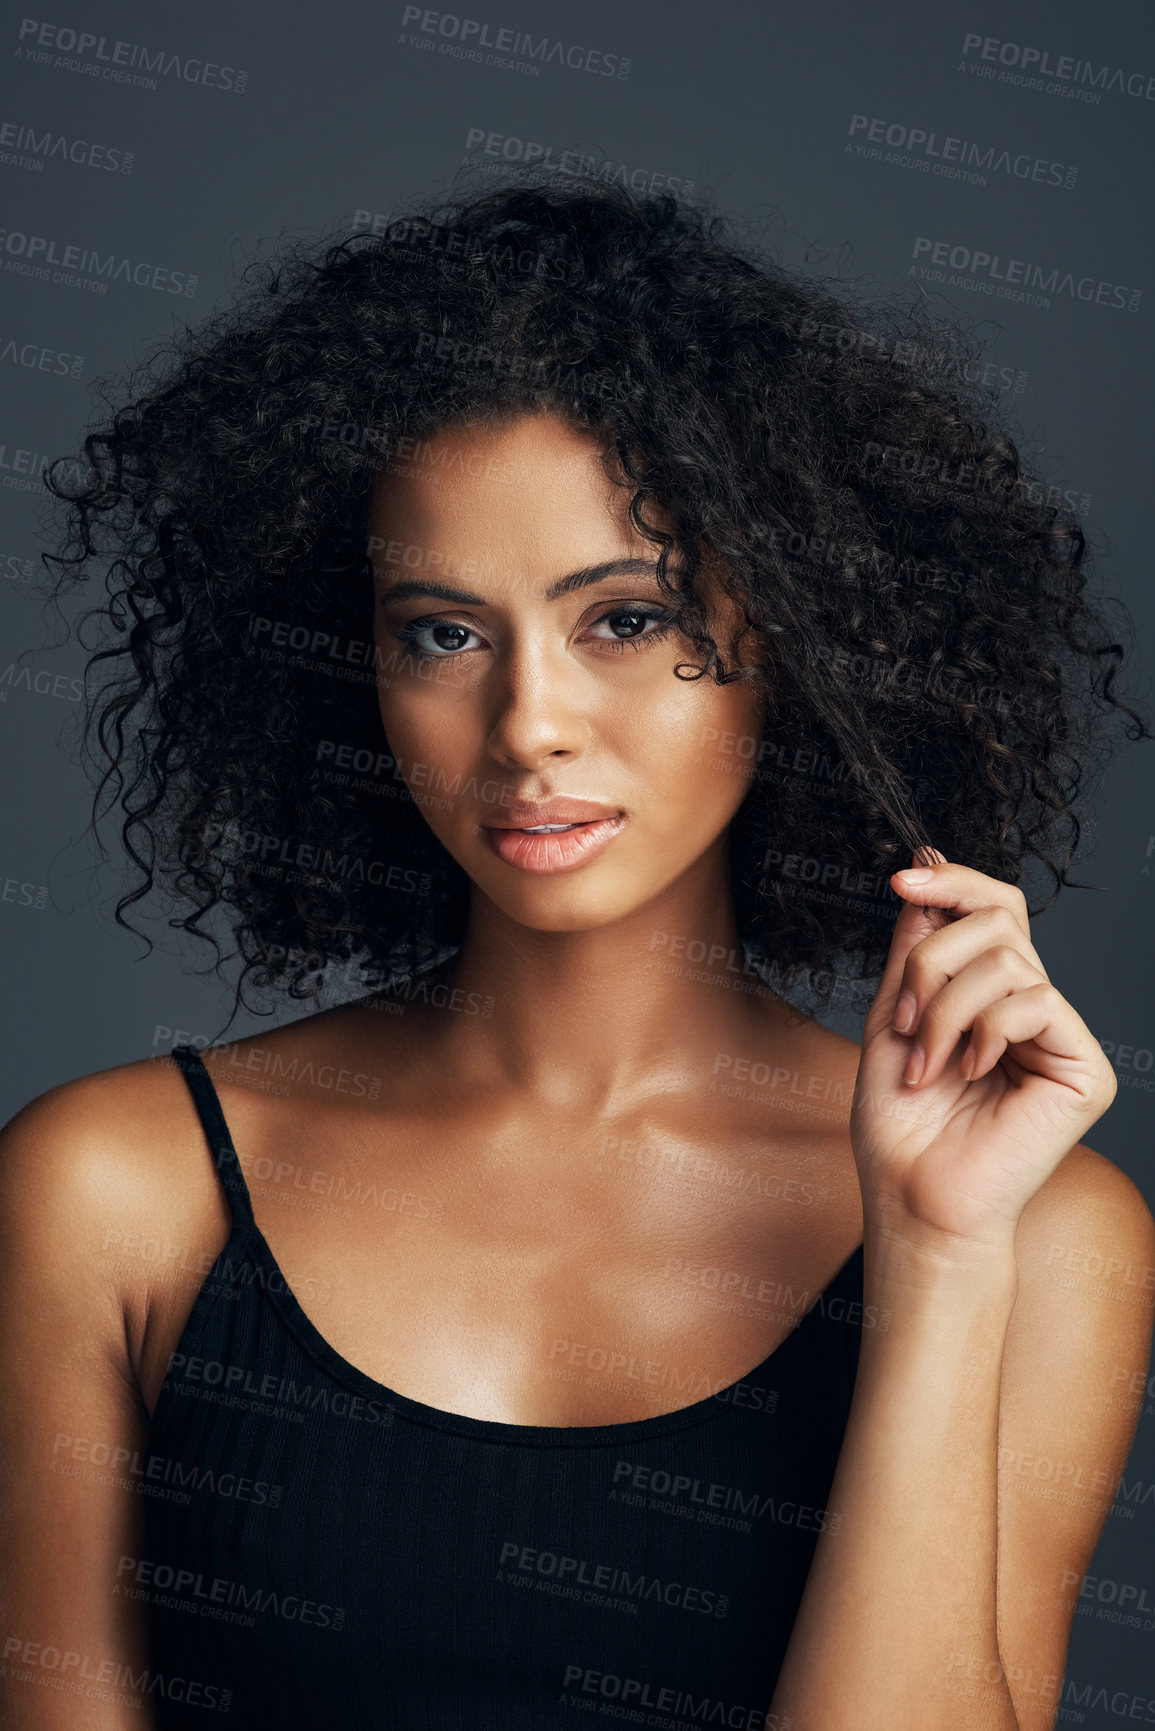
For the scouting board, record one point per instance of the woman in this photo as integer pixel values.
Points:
(534, 614)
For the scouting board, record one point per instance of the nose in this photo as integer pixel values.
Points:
(539, 712)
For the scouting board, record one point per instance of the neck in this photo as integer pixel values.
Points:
(596, 1018)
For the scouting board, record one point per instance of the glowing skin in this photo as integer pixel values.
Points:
(522, 695)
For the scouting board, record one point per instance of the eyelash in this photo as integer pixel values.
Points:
(409, 632)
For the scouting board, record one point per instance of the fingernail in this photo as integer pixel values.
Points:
(919, 875)
(915, 1065)
(967, 1067)
(904, 1013)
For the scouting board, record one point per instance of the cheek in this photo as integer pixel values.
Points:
(424, 718)
(701, 741)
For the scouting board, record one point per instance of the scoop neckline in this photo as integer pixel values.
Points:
(281, 1295)
(716, 1405)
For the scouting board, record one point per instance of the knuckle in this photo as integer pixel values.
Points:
(1104, 1089)
(999, 917)
(1003, 920)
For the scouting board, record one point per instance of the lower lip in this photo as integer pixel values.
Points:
(559, 852)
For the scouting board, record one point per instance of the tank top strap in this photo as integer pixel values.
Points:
(209, 1111)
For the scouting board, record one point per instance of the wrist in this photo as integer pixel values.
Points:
(901, 1249)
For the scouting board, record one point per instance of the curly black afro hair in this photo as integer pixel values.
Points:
(934, 672)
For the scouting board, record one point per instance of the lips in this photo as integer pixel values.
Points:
(554, 836)
(547, 813)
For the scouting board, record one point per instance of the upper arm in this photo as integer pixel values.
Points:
(71, 1418)
(1079, 1331)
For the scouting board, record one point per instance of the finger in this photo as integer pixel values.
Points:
(944, 953)
(951, 1012)
(1066, 1050)
(960, 890)
(915, 922)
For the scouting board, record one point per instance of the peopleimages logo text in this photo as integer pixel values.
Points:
(120, 60)
(24, 147)
(942, 149)
(475, 33)
(1067, 68)
(37, 255)
(1020, 279)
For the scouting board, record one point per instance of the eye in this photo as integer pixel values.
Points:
(437, 638)
(631, 624)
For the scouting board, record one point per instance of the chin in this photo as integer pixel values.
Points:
(561, 907)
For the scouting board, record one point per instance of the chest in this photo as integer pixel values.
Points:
(545, 1275)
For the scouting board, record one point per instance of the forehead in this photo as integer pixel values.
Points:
(535, 480)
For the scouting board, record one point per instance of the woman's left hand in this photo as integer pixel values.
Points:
(976, 1076)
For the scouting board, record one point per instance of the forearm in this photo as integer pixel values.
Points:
(900, 1605)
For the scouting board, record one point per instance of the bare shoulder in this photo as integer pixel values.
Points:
(93, 1164)
(127, 1139)
(1085, 1249)
(1088, 1219)
(96, 1137)
(101, 1135)
(129, 1136)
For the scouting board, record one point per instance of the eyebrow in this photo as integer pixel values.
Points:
(582, 579)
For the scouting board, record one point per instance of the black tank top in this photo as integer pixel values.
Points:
(321, 1551)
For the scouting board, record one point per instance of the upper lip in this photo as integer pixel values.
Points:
(528, 816)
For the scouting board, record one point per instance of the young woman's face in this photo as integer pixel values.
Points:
(528, 688)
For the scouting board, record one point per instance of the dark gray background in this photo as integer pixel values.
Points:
(752, 103)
